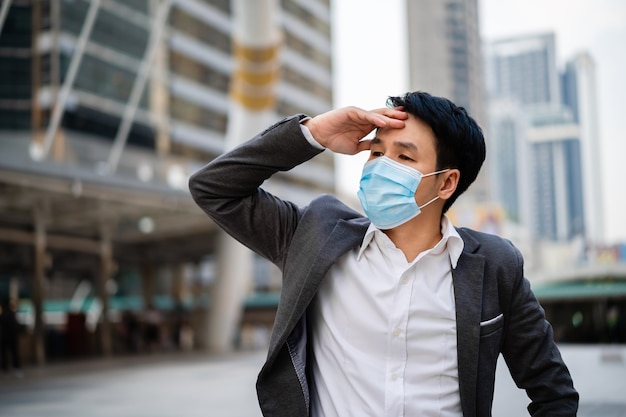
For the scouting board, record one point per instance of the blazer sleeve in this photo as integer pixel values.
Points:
(532, 356)
(229, 191)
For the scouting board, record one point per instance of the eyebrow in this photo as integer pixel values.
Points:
(406, 145)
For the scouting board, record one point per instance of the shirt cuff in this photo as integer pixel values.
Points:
(309, 137)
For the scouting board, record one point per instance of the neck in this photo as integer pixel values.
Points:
(417, 235)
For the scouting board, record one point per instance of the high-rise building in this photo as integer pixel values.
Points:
(524, 70)
(183, 109)
(558, 213)
(509, 156)
(106, 107)
(580, 96)
(445, 59)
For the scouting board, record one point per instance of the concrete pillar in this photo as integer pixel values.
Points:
(147, 283)
(256, 43)
(105, 274)
(234, 278)
(178, 283)
(159, 91)
(39, 271)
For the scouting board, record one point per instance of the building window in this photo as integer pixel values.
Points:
(104, 125)
(139, 5)
(191, 113)
(15, 82)
(306, 50)
(186, 23)
(189, 68)
(296, 78)
(103, 79)
(306, 17)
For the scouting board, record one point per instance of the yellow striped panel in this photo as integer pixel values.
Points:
(257, 72)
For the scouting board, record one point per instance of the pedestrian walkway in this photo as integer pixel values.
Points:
(167, 385)
(197, 384)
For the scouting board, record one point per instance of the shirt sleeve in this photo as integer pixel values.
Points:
(309, 137)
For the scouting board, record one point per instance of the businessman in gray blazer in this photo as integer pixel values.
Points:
(395, 313)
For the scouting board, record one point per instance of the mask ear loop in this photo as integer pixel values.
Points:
(428, 175)
(436, 172)
(424, 205)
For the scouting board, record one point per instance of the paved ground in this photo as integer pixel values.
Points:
(599, 374)
(173, 385)
(190, 385)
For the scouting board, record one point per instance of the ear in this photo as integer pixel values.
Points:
(450, 180)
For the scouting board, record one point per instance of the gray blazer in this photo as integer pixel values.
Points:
(497, 312)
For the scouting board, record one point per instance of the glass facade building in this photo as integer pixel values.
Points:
(445, 53)
(523, 70)
(132, 223)
(445, 59)
(580, 97)
(189, 80)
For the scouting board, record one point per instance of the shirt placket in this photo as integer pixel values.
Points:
(396, 359)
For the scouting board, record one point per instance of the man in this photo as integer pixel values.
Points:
(397, 313)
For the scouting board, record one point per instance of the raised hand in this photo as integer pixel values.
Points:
(341, 130)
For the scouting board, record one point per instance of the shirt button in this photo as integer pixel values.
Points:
(394, 377)
(405, 280)
(396, 332)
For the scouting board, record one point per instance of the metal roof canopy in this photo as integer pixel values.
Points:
(78, 205)
(581, 290)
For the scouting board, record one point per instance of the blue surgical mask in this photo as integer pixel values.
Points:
(387, 192)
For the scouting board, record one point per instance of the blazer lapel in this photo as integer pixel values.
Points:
(468, 289)
(344, 236)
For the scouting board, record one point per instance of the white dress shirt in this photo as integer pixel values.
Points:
(384, 332)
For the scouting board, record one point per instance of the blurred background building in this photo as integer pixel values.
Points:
(541, 183)
(445, 59)
(106, 108)
(445, 53)
(558, 186)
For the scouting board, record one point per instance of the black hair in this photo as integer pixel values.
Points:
(459, 141)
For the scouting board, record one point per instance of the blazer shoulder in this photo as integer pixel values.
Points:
(324, 212)
(326, 203)
(294, 118)
(489, 245)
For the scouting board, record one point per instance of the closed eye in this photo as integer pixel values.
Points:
(406, 158)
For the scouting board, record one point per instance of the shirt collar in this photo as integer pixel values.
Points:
(453, 239)
(450, 240)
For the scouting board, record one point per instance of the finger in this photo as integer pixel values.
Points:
(364, 145)
(393, 117)
(389, 110)
(394, 112)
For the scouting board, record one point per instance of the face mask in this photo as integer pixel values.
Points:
(387, 192)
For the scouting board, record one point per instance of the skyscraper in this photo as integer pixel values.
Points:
(445, 59)
(445, 55)
(557, 192)
(580, 96)
(524, 70)
(509, 156)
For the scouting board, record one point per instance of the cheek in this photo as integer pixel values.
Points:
(425, 190)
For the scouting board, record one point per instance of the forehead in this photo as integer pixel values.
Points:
(415, 132)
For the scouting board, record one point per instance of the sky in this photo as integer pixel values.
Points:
(371, 64)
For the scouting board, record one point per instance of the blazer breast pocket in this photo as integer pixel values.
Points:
(490, 326)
